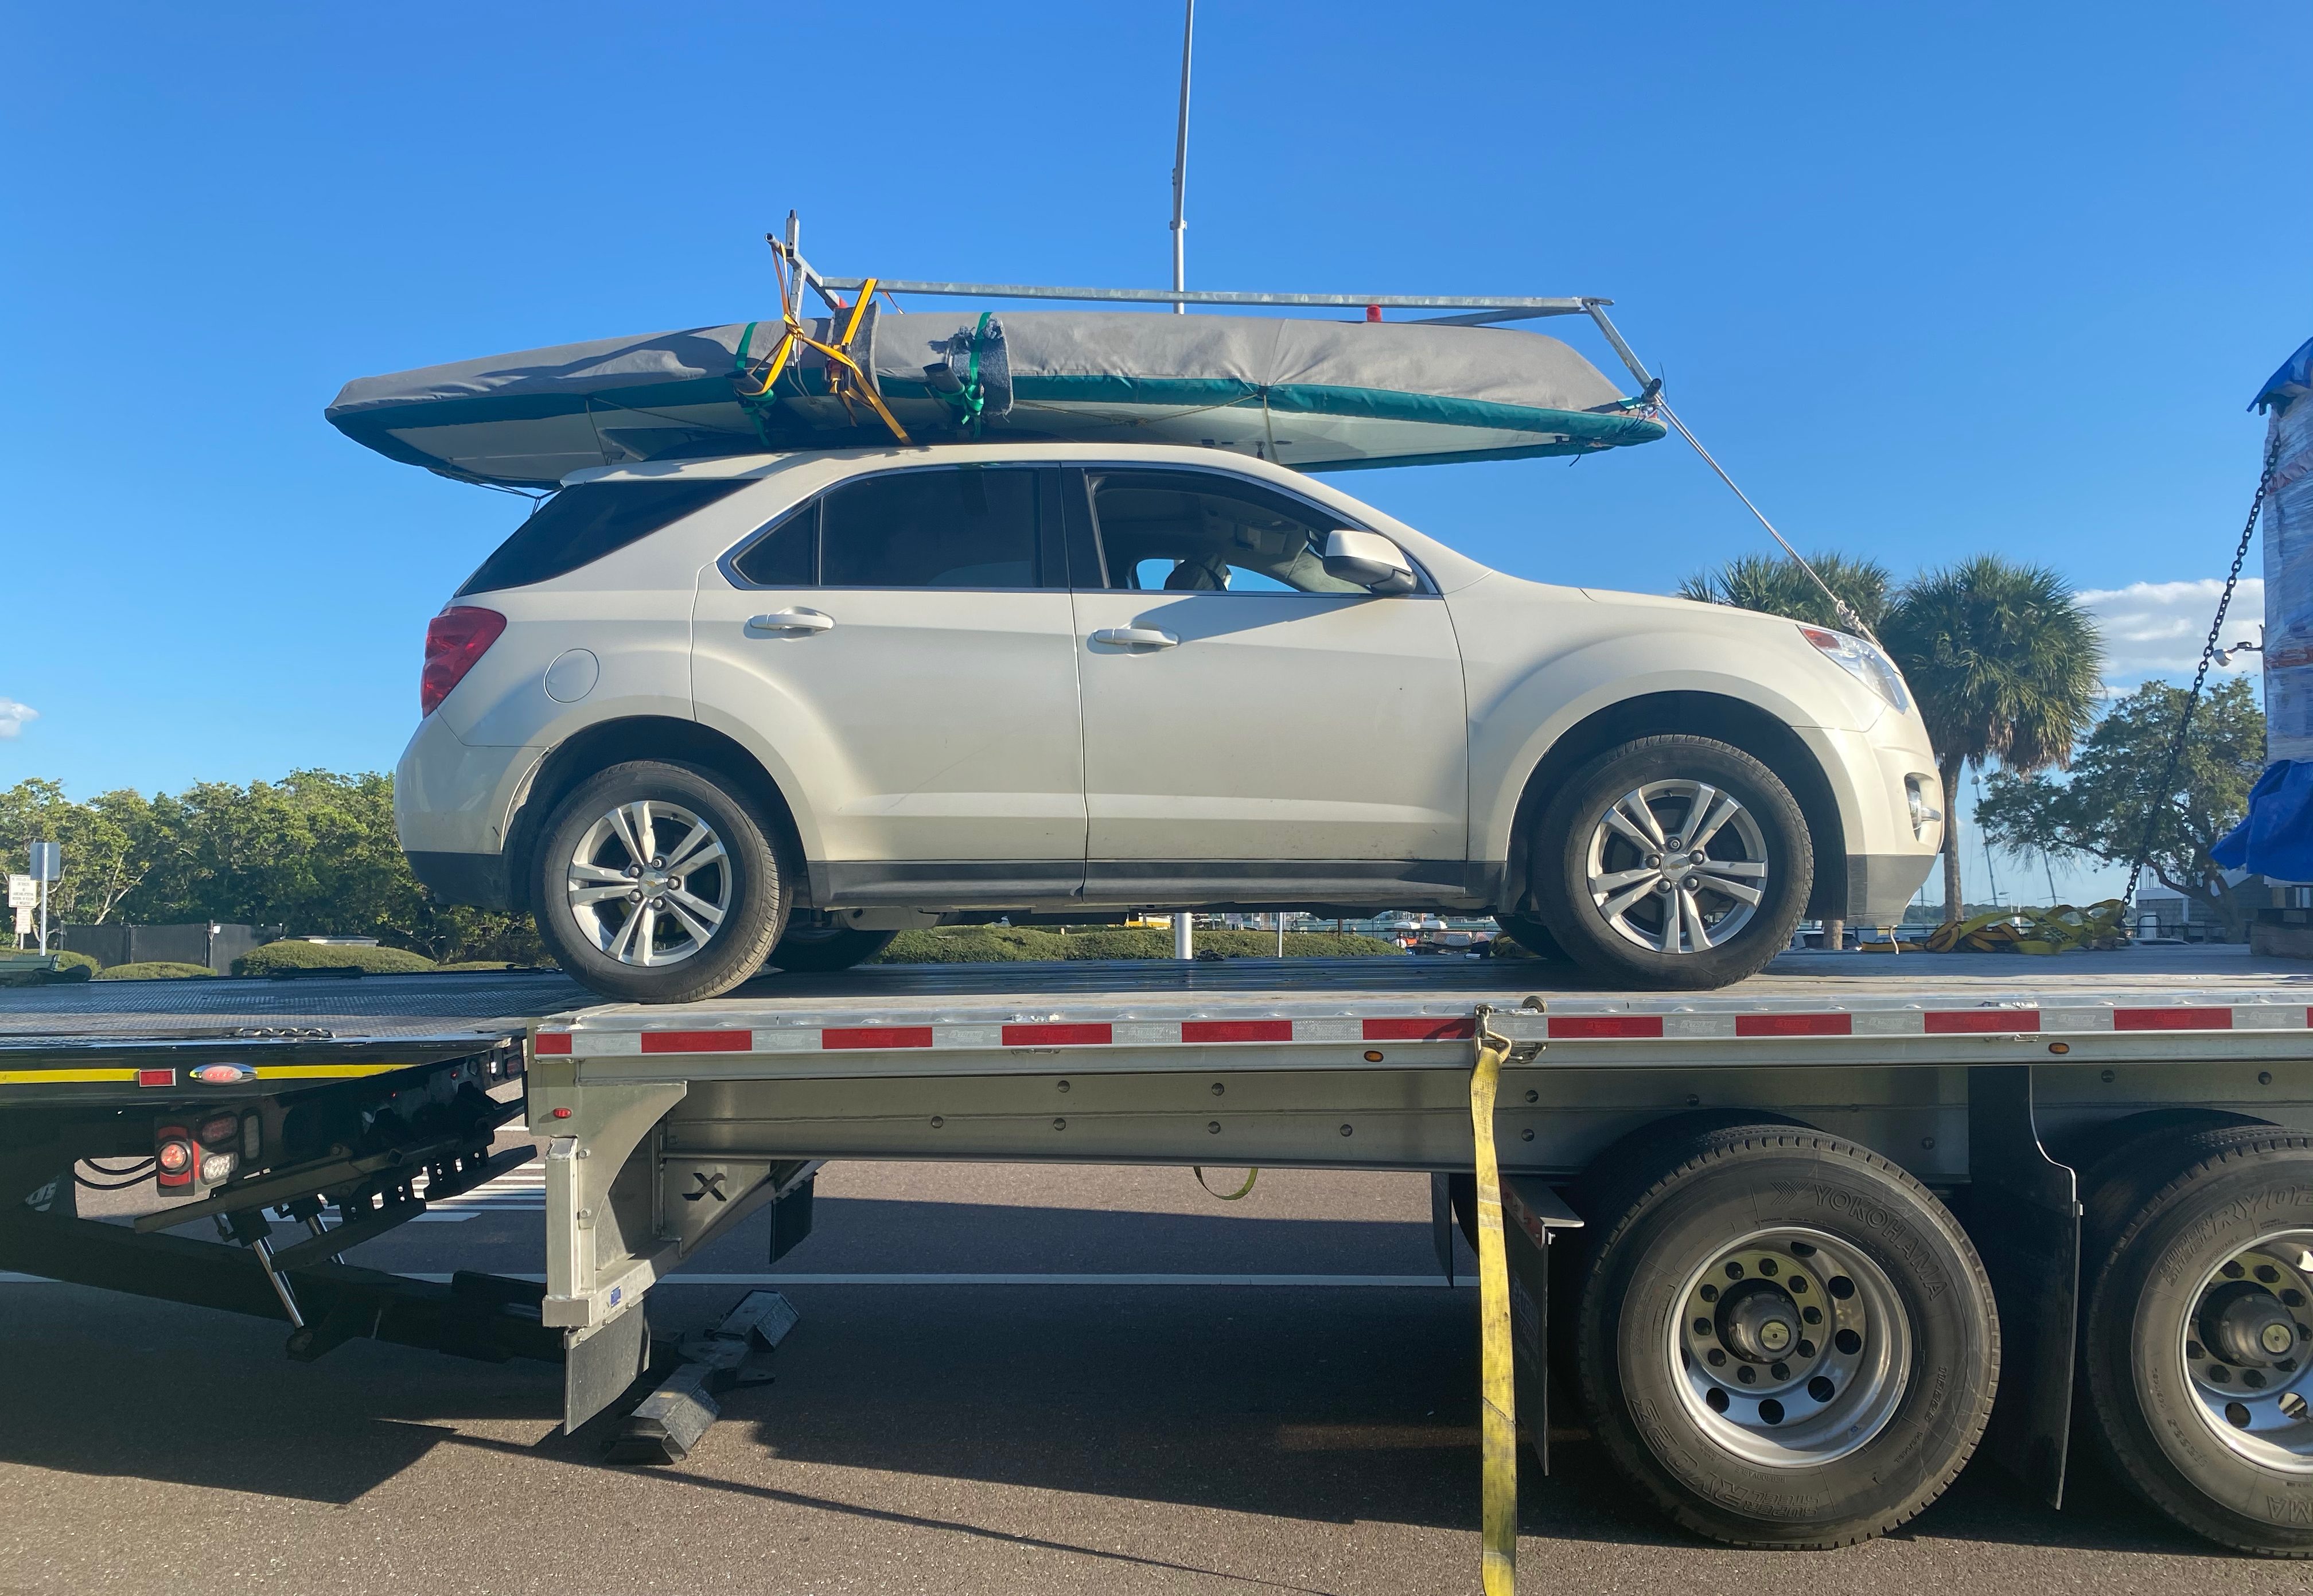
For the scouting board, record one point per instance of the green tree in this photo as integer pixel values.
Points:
(2101, 812)
(2006, 665)
(1777, 584)
(109, 844)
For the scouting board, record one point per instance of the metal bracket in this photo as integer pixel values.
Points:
(1532, 1215)
(672, 1420)
(591, 1273)
(2026, 1212)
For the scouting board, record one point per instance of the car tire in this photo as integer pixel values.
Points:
(2203, 1433)
(1635, 906)
(818, 949)
(727, 885)
(1892, 1339)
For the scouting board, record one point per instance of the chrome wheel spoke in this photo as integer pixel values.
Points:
(1703, 902)
(1741, 894)
(698, 848)
(689, 896)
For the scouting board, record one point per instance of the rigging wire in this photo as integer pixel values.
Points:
(1845, 610)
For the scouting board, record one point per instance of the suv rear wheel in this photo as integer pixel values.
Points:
(1674, 862)
(655, 883)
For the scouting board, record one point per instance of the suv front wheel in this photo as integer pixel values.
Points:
(654, 883)
(1676, 862)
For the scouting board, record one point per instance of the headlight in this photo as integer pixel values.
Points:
(1860, 660)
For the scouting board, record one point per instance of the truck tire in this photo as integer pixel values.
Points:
(655, 883)
(1785, 1340)
(815, 949)
(1625, 892)
(2197, 1353)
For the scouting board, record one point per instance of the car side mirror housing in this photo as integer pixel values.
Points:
(1371, 560)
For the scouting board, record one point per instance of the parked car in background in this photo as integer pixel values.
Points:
(697, 716)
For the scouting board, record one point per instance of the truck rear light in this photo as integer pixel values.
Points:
(216, 1167)
(172, 1158)
(454, 640)
(223, 1131)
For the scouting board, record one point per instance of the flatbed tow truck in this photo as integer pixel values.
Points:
(1800, 1246)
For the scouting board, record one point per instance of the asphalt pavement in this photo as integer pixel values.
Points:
(1316, 1433)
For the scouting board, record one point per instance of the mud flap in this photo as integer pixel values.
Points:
(599, 1365)
(2024, 1211)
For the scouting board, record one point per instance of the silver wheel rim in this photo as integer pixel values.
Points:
(1791, 1349)
(2244, 1346)
(1677, 867)
(649, 882)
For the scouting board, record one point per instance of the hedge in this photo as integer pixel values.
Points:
(1009, 944)
(319, 955)
(156, 969)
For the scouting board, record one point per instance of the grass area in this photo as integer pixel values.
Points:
(157, 969)
(1010, 944)
(316, 956)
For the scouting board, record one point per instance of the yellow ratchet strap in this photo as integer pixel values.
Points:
(1497, 1403)
(839, 355)
(1250, 1177)
(2061, 930)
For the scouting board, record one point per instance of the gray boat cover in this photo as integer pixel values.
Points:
(1307, 393)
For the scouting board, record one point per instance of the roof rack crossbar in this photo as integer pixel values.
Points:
(1521, 307)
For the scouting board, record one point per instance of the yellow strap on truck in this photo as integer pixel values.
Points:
(2061, 930)
(1498, 1401)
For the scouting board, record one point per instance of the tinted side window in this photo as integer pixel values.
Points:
(1192, 531)
(957, 526)
(788, 555)
(579, 525)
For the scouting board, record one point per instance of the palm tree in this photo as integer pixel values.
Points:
(2006, 665)
(1777, 584)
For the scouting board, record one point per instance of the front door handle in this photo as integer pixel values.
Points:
(790, 622)
(1136, 636)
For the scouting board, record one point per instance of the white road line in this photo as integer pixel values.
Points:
(1329, 1282)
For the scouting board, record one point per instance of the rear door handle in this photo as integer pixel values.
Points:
(1136, 636)
(790, 622)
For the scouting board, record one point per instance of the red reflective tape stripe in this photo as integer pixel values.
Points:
(1582, 1027)
(1236, 1030)
(2172, 1019)
(156, 1077)
(1795, 1024)
(697, 1041)
(1058, 1035)
(554, 1041)
(1422, 1028)
(1953, 1022)
(875, 1035)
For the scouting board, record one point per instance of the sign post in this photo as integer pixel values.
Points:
(48, 865)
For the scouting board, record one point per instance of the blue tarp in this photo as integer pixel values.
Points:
(2296, 372)
(2276, 840)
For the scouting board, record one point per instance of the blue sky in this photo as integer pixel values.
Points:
(1929, 280)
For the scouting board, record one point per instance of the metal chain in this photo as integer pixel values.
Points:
(2159, 806)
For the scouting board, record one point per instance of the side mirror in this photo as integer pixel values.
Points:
(1371, 560)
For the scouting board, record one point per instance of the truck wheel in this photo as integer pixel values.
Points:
(2198, 1348)
(1786, 1340)
(1673, 862)
(811, 949)
(655, 883)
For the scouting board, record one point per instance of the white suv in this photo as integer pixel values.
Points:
(700, 716)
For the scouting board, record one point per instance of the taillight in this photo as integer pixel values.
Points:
(173, 1155)
(454, 640)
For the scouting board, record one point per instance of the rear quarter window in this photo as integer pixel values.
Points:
(580, 525)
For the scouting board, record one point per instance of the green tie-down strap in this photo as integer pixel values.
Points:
(970, 401)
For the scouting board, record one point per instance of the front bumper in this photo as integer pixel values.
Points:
(1881, 886)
